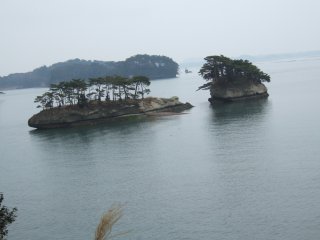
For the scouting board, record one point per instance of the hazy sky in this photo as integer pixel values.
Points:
(42, 32)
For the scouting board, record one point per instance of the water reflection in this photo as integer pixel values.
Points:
(243, 125)
(124, 126)
(223, 113)
(113, 135)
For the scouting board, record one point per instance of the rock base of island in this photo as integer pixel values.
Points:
(236, 92)
(93, 113)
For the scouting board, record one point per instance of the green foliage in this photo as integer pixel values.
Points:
(80, 92)
(154, 67)
(7, 217)
(219, 69)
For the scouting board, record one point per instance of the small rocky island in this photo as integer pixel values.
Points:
(78, 102)
(233, 80)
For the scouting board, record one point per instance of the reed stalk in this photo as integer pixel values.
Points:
(108, 219)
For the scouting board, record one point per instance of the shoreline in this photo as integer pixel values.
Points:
(236, 99)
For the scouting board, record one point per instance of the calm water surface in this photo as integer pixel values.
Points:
(248, 170)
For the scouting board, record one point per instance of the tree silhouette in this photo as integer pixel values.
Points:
(78, 91)
(97, 84)
(221, 69)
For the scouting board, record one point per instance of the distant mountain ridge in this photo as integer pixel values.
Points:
(281, 56)
(152, 66)
(198, 62)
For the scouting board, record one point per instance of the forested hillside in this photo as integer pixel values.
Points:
(151, 66)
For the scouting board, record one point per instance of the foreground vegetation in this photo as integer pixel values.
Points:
(7, 217)
(104, 228)
(80, 92)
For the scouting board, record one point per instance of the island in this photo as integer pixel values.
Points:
(79, 102)
(1, 92)
(233, 80)
(151, 66)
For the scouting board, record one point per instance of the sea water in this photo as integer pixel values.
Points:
(246, 170)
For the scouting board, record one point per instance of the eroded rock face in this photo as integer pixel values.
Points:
(94, 113)
(151, 104)
(232, 92)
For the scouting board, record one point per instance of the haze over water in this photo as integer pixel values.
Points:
(247, 170)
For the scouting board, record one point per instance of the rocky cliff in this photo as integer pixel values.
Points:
(94, 113)
(240, 91)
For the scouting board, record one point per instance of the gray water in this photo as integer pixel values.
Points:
(248, 170)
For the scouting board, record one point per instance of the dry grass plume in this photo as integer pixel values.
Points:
(103, 231)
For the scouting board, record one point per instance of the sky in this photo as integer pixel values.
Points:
(42, 32)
